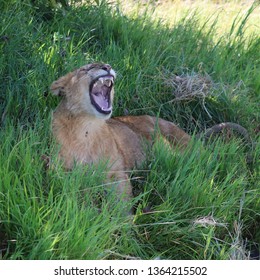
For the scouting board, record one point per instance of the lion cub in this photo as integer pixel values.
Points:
(83, 126)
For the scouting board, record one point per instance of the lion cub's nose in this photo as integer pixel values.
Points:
(106, 67)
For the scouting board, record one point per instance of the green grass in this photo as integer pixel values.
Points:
(204, 203)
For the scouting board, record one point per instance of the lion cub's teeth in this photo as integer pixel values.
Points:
(103, 81)
(108, 83)
(99, 82)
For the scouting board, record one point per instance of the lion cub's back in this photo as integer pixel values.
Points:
(148, 127)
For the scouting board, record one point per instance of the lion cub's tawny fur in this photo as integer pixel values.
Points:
(82, 125)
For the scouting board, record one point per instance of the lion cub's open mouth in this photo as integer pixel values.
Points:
(100, 93)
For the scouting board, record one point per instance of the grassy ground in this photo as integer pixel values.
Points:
(224, 12)
(204, 204)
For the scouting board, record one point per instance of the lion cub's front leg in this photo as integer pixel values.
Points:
(123, 188)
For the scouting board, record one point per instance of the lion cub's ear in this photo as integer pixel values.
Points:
(59, 87)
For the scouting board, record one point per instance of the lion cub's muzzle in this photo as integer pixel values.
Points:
(100, 93)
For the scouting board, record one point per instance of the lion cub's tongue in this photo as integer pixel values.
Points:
(102, 101)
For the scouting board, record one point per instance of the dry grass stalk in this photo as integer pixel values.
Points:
(208, 221)
(189, 86)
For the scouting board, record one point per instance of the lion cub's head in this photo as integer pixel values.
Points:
(89, 89)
